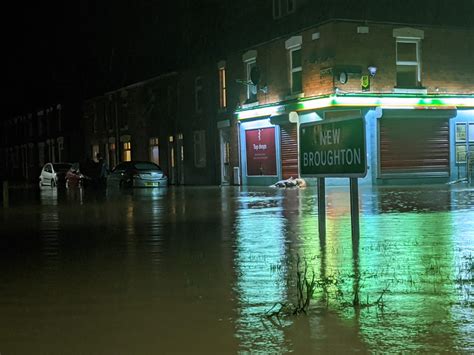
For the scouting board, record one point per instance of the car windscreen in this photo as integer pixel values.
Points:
(146, 166)
(61, 167)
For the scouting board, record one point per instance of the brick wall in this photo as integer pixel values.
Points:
(447, 57)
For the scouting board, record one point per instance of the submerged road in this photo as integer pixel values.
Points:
(197, 270)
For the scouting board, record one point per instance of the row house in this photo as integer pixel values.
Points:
(136, 122)
(51, 134)
(412, 85)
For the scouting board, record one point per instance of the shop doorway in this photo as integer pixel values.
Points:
(171, 160)
(225, 155)
(180, 151)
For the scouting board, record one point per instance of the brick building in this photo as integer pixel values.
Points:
(27, 142)
(135, 122)
(413, 85)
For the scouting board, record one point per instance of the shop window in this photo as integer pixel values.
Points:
(199, 149)
(461, 147)
(127, 151)
(154, 151)
(222, 88)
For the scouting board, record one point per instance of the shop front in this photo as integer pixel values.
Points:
(409, 139)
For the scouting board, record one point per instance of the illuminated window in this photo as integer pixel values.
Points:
(222, 88)
(94, 151)
(200, 149)
(127, 151)
(198, 92)
(154, 151)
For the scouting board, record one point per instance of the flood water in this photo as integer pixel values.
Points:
(201, 270)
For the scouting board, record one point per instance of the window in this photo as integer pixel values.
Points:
(277, 8)
(296, 70)
(290, 6)
(95, 151)
(222, 88)
(59, 108)
(154, 151)
(471, 132)
(94, 122)
(40, 123)
(127, 151)
(198, 94)
(461, 147)
(408, 63)
(199, 149)
(251, 89)
(283, 8)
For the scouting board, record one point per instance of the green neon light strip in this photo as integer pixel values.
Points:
(384, 102)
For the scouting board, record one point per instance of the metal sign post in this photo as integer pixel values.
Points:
(354, 191)
(322, 210)
(334, 148)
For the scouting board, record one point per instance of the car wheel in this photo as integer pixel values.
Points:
(53, 183)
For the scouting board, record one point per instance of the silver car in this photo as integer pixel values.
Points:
(137, 174)
(54, 174)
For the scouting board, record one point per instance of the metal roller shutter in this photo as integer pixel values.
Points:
(412, 146)
(289, 151)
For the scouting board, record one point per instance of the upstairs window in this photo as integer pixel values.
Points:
(293, 45)
(408, 63)
(408, 57)
(283, 7)
(251, 89)
(277, 8)
(198, 94)
(222, 87)
(296, 70)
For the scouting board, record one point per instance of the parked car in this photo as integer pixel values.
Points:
(137, 174)
(54, 174)
(74, 176)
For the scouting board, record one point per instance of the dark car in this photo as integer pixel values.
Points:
(137, 174)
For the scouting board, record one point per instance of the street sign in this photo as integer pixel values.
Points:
(333, 148)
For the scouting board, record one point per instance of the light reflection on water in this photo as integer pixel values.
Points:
(195, 270)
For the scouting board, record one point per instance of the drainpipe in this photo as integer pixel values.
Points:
(117, 144)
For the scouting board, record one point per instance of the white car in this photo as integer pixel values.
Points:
(54, 174)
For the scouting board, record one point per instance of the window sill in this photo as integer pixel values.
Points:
(421, 91)
(250, 104)
(294, 96)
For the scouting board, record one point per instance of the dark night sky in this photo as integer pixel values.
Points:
(59, 50)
